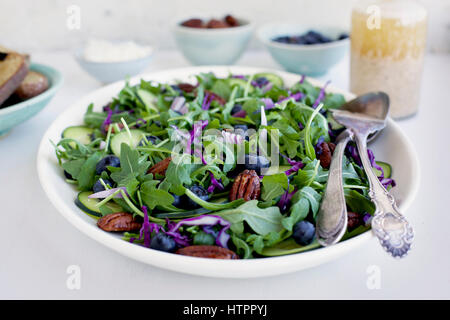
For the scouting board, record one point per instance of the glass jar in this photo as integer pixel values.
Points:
(387, 51)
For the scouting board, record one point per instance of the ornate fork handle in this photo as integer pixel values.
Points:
(392, 229)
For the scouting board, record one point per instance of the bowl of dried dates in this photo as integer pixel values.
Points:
(212, 41)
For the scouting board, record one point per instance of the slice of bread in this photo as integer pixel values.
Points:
(34, 83)
(13, 69)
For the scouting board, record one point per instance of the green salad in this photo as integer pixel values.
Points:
(229, 168)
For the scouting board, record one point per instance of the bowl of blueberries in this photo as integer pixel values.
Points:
(305, 50)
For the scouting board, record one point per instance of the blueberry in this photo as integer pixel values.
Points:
(177, 202)
(176, 88)
(342, 36)
(163, 242)
(261, 81)
(241, 127)
(68, 175)
(200, 192)
(303, 232)
(98, 186)
(151, 139)
(108, 161)
(236, 108)
(282, 39)
(254, 162)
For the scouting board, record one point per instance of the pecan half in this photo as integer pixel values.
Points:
(186, 87)
(246, 186)
(326, 154)
(203, 251)
(216, 97)
(232, 21)
(113, 127)
(160, 167)
(193, 23)
(119, 221)
(354, 220)
(215, 24)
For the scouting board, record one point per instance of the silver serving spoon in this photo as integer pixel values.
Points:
(331, 222)
(364, 116)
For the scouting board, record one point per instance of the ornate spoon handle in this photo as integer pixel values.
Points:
(389, 225)
(331, 220)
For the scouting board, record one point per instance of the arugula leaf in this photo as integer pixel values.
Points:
(303, 201)
(178, 174)
(288, 246)
(274, 186)
(262, 221)
(242, 248)
(211, 205)
(87, 172)
(153, 196)
(73, 167)
(130, 165)
(356, 202)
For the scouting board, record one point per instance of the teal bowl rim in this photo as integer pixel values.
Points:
(56, 80)
(300, 47)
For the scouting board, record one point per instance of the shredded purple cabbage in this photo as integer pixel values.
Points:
(214, 184)
(302, 79)
(240, 114)
(267, 87)
(140, 122)
(296, 96)
(106, 193)
(367, 218)
(107, 121)
(179, 105)
(321, 95)
(318, 146)
(207, 101)
(352, 151)
(296, 165)
(208, 220)
(285, 199)
(268, 103)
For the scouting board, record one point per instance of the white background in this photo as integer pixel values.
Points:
(41, 24)
(37, 244)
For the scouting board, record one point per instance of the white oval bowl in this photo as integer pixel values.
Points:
(391, 146)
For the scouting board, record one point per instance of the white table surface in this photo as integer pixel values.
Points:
(37, 244)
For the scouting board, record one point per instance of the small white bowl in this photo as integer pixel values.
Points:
(308, 59)
(108, 72)
(213, 46)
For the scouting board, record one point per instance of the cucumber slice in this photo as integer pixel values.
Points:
(124, 137)
(241, 83)
(80, 133)
(89, 207)
(386, 168)
(275, 79)
(148, 99)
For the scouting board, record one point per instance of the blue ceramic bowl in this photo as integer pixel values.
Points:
(311, 60)
(16, 114)
(107, 72)
(213, 46)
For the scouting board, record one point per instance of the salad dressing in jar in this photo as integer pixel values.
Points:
(387, 51)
